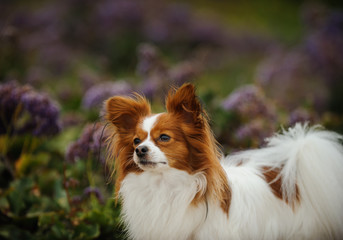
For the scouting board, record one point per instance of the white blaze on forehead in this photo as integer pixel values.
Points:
(149, 123)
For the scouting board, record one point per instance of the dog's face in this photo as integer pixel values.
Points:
(154, 142)
(158, 143)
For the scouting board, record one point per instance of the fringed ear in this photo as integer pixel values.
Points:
(124, 113)
(184, 102)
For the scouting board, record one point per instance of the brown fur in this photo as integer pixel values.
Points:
(202, 147)
(124, 114)
(273, 178)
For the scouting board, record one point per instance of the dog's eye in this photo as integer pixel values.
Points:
(164, 138)
(136, 141)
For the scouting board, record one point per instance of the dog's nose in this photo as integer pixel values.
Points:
(141, 151)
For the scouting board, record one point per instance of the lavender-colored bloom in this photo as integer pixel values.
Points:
(75, 151)
(40, 105)
(249, 101)
(149, 60)
(256, 117)
(301, 115)
(10, 99)
(94, 191)
(44, 111)
(81, 147)
(96, 95)
(290, 80)
(16, 99)
(254, 132)
(150, 88)
(91, 141)
(182, 73)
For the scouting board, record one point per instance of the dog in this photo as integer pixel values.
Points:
(174, 183)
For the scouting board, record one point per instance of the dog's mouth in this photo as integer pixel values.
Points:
(147, 163)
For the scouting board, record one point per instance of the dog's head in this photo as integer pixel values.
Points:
(179, 138)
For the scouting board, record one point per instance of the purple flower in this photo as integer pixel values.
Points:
(96, 95)
(249, 101)
(91, 141)
(150, 87)
(290, 80)
(254, 132)
(149, 60)
(255, 119)
(182, 73)
(43, 112)
(94, 191)
(10, 100)
(301, 115)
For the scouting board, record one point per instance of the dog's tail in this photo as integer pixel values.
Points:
(311, 159)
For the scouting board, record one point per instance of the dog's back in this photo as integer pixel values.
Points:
(304, 200)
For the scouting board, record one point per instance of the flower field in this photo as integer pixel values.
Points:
(257, 67)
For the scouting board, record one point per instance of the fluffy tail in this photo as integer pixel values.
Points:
(312, 160)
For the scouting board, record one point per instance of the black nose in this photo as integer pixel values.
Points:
(141, 151)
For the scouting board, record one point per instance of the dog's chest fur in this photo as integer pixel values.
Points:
(159, 205)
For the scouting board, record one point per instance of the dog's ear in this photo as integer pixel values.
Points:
(124, 113)
(184, 102)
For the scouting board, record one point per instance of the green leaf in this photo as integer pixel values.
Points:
(60, 194)
(4, 204)
(60, 231)
(47, 219)
(18, 196)
(86, 231)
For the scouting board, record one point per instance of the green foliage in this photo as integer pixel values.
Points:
(38, 199)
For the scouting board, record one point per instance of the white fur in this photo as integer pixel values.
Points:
(157, 205)
(149, 123)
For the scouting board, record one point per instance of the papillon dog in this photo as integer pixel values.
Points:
(174, 183)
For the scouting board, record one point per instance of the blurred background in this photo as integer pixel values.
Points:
(258, 66)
